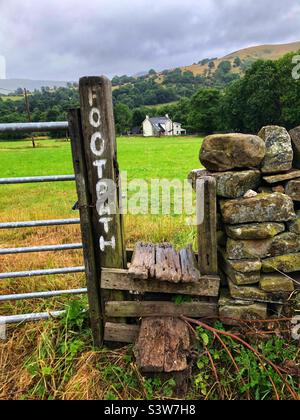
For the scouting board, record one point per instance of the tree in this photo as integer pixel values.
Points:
(223, 74)
(204, 116)
(123, 118)
(255, 100)
(233, 107)
(182, 111)
(138, 116)
(289, 92)
(237, 62)
(224, 67)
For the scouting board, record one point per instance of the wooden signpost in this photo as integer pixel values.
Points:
(102, 169)
(93, 140)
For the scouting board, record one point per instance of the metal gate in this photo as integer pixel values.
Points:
(37, 127)
(92, 132)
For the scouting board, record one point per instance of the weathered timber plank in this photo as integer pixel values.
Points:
(196, 174)
(162, 345)
(167, 267)
(207, 225)
(159, 309)
(150, 347)
(177, 345)
(190, 272)
(121, 333)
(92, 269)
(113, 279)
(143, 261)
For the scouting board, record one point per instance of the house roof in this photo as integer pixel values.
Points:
(157, 123)
(158, 120)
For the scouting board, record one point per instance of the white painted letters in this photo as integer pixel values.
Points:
(104, 192)
(100, 164)
(97, 138)
(104, 243)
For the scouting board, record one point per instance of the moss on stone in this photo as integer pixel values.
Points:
(276, 283)
(274, 207)
(254, 231)
(285, 263)
(250, 293)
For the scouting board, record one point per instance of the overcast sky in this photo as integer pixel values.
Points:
(66, 39)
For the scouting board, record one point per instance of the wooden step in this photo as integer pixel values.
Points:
(134, 309)
(115, 279)
(162, 345)
(162, 262)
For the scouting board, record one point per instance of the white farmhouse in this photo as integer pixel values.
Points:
(161, 126)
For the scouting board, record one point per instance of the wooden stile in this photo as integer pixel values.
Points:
(155, 269)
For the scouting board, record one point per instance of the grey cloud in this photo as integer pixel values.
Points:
(63, 40)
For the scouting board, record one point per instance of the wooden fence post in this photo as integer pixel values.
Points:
(92, 270)
(207, 225)
(102, 170)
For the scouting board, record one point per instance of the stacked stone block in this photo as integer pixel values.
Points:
(258, 189)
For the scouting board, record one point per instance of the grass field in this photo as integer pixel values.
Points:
(12, 98)
(56, 359)
(152, 158)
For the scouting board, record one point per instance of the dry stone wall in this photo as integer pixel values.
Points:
(258, 189)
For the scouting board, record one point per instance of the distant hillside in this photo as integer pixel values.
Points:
(167, 86)
(271, 52)
(247, 56)
(11, 85)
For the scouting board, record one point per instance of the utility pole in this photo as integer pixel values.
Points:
(28, 113)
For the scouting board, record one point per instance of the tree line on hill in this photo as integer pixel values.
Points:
(266, 94)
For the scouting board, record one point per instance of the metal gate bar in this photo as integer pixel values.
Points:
(47, 272)
(39, 223)
(44, 295)
(29, 179)
(33, 127)
(46, 248)
(17, 319)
